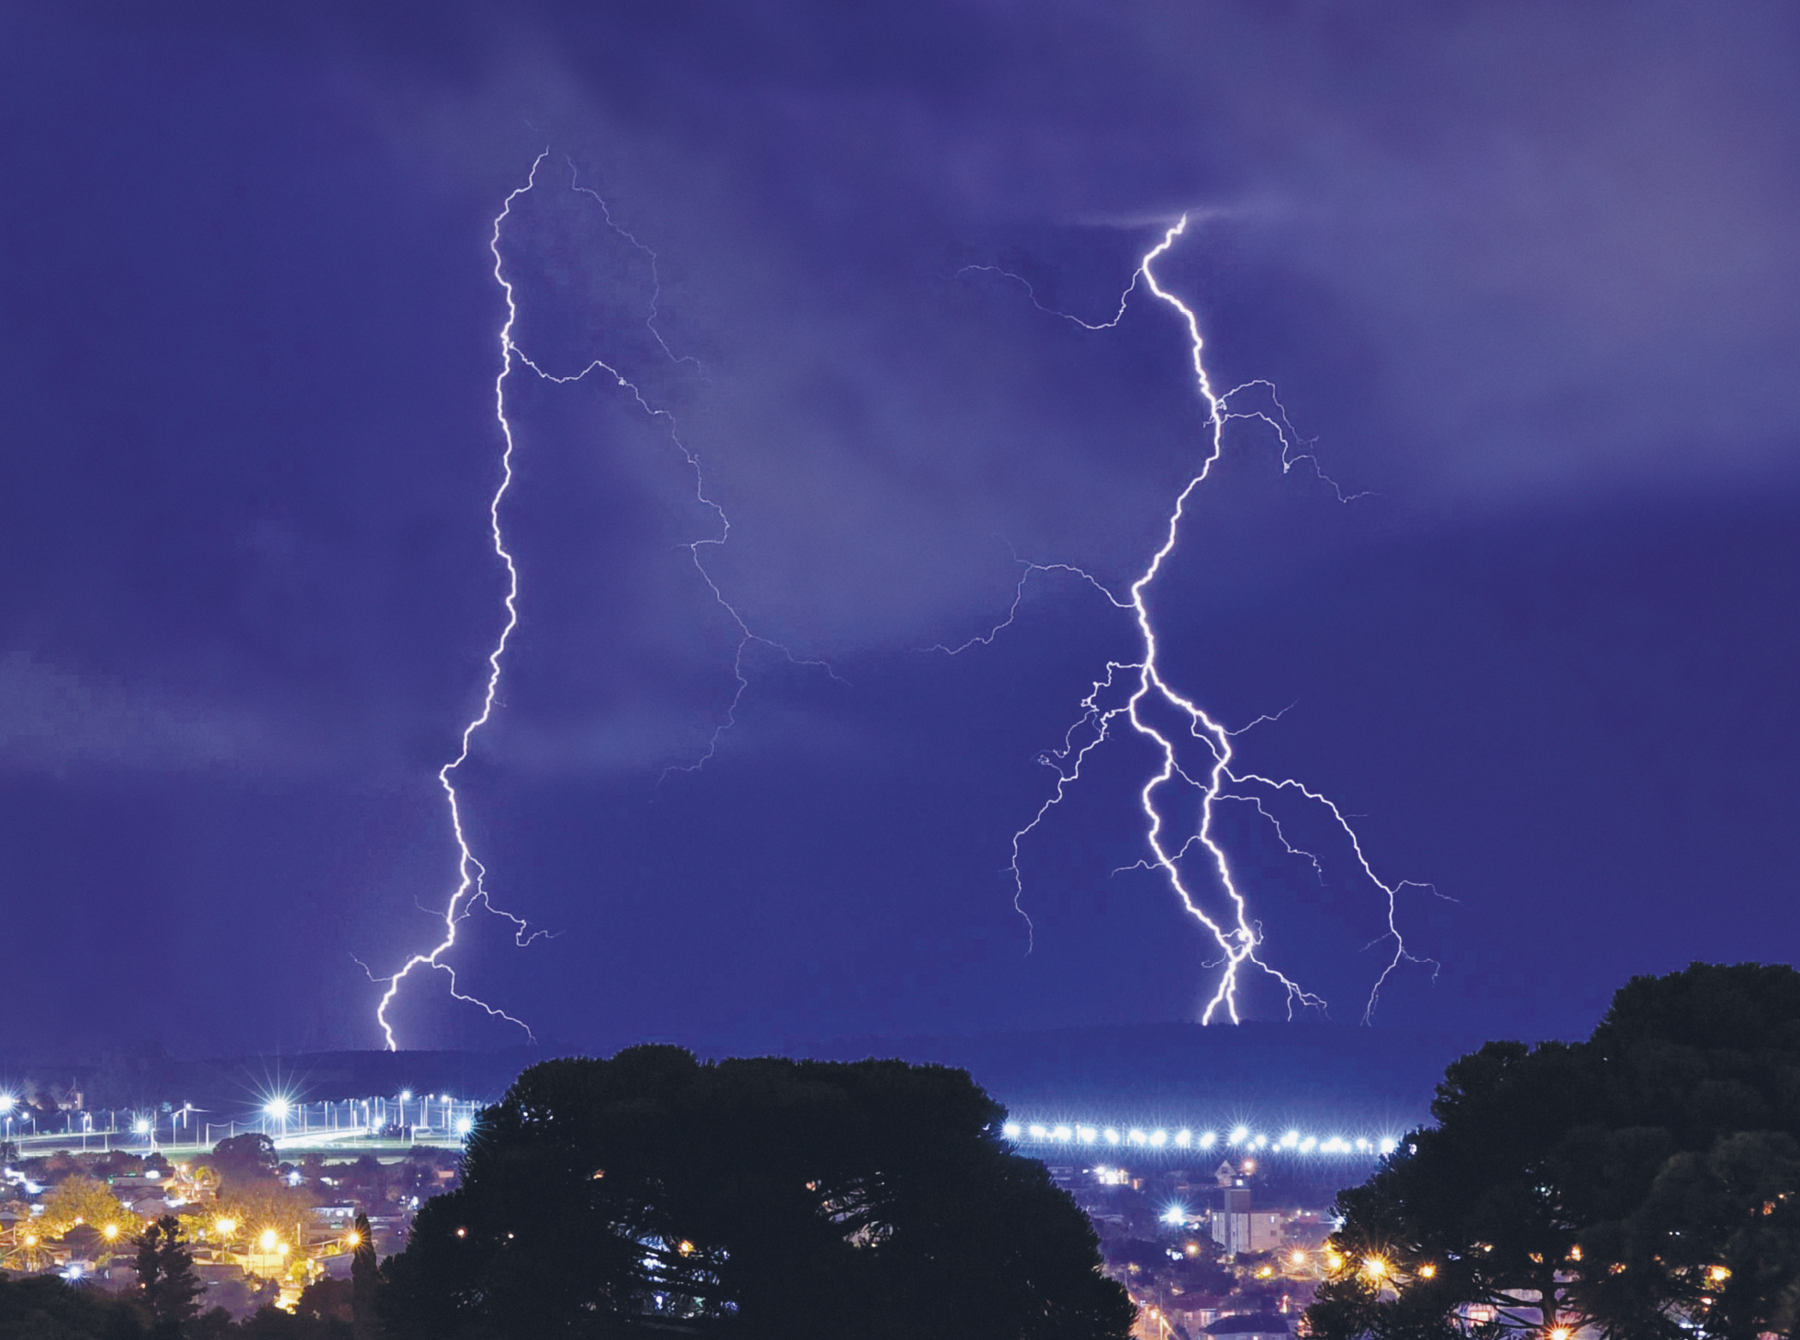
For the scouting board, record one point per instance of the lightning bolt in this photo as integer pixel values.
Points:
(470, 872)
(1128, 694)
(471, 892)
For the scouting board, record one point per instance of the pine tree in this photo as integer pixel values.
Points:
(165, 1271)
(365, 1283)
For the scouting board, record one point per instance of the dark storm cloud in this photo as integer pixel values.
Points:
(1496, 251)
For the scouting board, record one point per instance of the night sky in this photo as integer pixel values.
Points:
(1525, 279)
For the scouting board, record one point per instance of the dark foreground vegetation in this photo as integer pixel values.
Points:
(1644, 1183)
(652, 1195)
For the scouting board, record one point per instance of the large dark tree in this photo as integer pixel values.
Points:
(755, 1198)
(1645, 1183)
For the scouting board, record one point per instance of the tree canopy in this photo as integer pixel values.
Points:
(750, 1198)
(250, 1157)
(80, 1199)
(1645, 1183)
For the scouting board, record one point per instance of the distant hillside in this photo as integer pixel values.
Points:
(1266, 1074)
(1309, 1075)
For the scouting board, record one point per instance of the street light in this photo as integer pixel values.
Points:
(278, 1107)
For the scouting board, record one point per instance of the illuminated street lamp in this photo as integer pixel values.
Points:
(278, 1107)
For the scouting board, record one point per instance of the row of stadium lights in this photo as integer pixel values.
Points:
(1240, 1138)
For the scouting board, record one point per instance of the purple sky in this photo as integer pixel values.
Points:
(1524, 276)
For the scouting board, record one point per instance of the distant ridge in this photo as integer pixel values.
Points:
(1306, 1074)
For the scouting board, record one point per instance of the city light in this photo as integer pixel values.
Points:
(1010, 1130)
(1175, 1214)
(7, 1103)
(269, 1239)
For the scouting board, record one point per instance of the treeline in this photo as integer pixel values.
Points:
(653, 1194)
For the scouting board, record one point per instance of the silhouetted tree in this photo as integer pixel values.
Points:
(250, 1157)
(365, 1283)
(326, 1300)
(43, 1306)
(1645, 1183)
(757, 1198)
(165, 1271)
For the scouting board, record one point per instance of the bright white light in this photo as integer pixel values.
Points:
(1010, 1130)
(1362, 1144)
(1208, 1140)
(1184, 1138)
(1086, 1134)
(1239, 1134)
(1038, 1132)
(406, 1095)
(141, 1126)
(1306, 1145)
(1137, 1137)
(1388, 1145)
(1112, 1136)
(1063, 1133)
(278, 1108)
(7, 1102)
(1291, 1139)
(463, 1125)
(1175, 1214)
(1261, 1142)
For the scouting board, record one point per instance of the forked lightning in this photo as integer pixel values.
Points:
(1236, 933)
